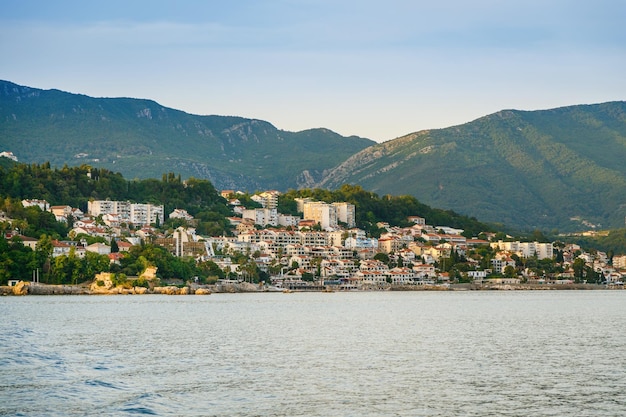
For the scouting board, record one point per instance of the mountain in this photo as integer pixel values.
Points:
(142, 139)
(550, 169)
(562, 168)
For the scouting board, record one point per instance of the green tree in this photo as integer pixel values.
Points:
(382, 257)
(578, 267)
(509, 271)
(114, 247)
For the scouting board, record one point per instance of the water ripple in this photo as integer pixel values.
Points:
(364, 354)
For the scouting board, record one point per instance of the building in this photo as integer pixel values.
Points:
(262, 216)
(346, 213)
(501, 262)
(300, 202)
(389, 244)
(477, 276)
(288, 220)
(99, 248)
(420, 221)
(146, 214)
(101, 207)
(42, 204)
(619, 262)
(526, 249)
(61, 212)
(267, 199)
(60, 248)
(322, 213)
(180, 214)
(135, 214)
(31, 242)
(8, 154)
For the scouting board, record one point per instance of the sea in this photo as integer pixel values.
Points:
(422, 353)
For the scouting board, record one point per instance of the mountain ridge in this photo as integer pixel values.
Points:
(547, 161)
(558, 168)
(143, 139)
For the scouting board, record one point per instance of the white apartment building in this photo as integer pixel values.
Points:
(500, 263)
(526, 249)
(300, 203)
(288, 220)
(619, 262)
(314, 239)
(346, 213)
(136, 214)
(267, 199)
(262, 216)
(102, 207)
(336, 238)
(145, 214)
(323, 213)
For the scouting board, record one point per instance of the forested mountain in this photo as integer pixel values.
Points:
(559, 169)
(142, 139)
(562, 168)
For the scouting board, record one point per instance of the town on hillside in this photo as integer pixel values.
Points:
(319, 249)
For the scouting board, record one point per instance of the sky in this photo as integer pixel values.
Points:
(376, 69)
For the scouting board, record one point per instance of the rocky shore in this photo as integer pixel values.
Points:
(32, 288)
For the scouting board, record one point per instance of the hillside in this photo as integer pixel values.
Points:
(142, 139)
(562, 168)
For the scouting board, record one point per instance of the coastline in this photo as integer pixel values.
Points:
(31, 288)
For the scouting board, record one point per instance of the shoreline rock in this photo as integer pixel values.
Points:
(32, 288)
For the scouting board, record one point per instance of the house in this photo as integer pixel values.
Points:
(29, 241)
(401, 276)
(389, 244)
(472, 243)
(111, 219)
(8, 154)
(423, 271)
(306, 224)
(124, 246)
(501, 261)
(180, 214)
(371, 277)
(61, 213)
(42, 204)
(407, 255)
(60, 249)
(114, 258)
(477, 276)
(417, 220)
(99, 248)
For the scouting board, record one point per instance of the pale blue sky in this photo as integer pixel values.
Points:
(369, 68)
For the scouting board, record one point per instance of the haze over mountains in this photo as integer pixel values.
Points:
(551, 169)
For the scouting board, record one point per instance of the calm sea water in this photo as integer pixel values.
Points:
(541, 353)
